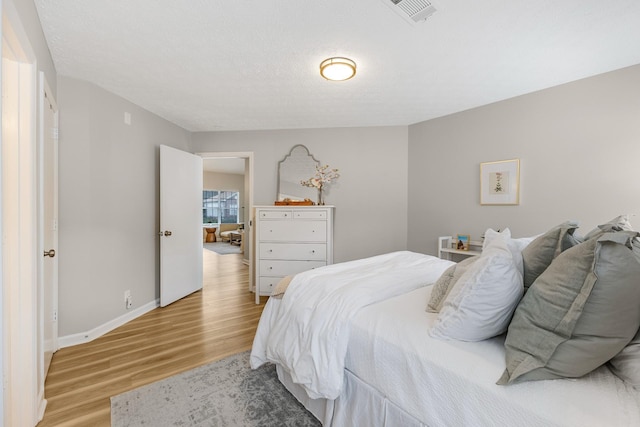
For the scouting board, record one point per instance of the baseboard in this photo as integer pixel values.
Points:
(42, 405)
(81, 338)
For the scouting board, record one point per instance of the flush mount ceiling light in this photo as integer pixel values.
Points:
(337, 69)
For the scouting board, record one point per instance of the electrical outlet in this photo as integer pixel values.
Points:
(128, 301)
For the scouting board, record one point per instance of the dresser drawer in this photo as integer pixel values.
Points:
(279, 214)
(310, 214)
(299, 231)
(267, 284)
(284, 268)
(301, 251)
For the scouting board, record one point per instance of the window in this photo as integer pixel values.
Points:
(220, 207)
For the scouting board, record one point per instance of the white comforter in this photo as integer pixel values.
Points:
(308, 330)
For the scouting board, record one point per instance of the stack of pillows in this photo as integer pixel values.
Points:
(569, 304)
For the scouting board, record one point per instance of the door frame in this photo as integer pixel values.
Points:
(22, 395)
(248, 230)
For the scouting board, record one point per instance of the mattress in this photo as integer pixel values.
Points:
(452, 383)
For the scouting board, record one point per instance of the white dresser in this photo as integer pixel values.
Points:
(290, 240)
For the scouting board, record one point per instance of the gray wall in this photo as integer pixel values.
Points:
(370, 196)
(578, 144)
(109, 189)
(224, 182)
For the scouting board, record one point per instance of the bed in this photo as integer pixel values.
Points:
(361, 354)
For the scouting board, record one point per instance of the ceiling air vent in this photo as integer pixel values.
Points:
(412, 10)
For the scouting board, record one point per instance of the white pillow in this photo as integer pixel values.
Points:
(482, 301)
(516, 246)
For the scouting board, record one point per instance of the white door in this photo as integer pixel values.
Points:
(49, 223)
(180, 224)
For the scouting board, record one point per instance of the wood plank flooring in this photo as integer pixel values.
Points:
(203, 327)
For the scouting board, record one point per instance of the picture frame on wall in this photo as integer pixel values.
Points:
(500, 182)
(463, 242)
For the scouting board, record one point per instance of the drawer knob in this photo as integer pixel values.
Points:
(270, 268)
(313, 251)
(270, 250)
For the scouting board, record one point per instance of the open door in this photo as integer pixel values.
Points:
(180, 224)
(48, 218)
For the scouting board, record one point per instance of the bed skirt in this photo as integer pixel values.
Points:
(359, 404)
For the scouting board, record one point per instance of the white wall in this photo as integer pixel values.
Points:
(109, 206)
(578, 144)
(371, 195)
(31, 23)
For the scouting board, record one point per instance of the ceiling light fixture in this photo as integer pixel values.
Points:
(337, 69)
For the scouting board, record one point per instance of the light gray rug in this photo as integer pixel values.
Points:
(223, 393)
(222, 248)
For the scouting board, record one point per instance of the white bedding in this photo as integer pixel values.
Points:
(308, 330)
(451, 383)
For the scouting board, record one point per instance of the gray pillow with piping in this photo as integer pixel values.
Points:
(538, 254)
(580, 312)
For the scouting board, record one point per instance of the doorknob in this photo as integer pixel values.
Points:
(167, 233)
(50, 253)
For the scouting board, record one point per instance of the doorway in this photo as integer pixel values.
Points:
(233, 163)
(22, 354)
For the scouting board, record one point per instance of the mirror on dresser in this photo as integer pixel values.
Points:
(296, 166)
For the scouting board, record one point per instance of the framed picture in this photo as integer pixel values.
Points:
(463, 242)
(500, 182)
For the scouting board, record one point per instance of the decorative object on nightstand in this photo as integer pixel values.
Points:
(448, 247)
(463, 242)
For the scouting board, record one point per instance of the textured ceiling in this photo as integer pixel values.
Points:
(211, 65)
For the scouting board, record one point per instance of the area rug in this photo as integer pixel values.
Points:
(222, 248)
(223, 393)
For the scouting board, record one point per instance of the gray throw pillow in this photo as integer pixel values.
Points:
(618, 223)
(626, 364)
(581, 312)
(445, 282)
(538, 254)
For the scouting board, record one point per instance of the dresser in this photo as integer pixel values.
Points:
(290, 240)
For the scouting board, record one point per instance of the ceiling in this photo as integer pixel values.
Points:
(210, 65)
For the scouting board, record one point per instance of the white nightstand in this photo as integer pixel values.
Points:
(447, 248)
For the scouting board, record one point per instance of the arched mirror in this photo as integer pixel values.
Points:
(297, 166)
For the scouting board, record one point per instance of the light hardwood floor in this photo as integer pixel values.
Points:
(206, 326)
